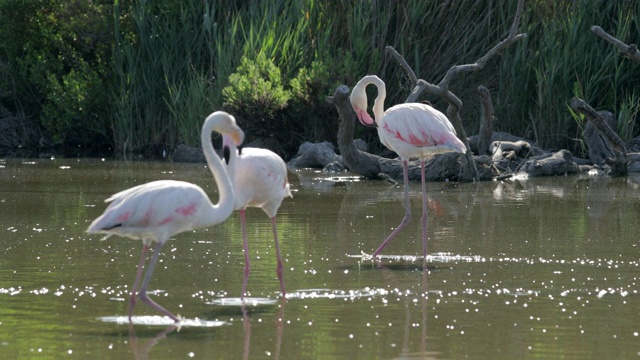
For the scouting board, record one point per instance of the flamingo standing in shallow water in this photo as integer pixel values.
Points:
(411, 130)
(259, 179)
(156, 211)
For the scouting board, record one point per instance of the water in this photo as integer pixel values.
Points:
(517, 269)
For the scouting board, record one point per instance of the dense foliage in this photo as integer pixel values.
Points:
(139, 76)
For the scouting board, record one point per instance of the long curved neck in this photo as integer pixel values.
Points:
(378, 105)
(223, 209)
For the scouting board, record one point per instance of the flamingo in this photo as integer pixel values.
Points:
(259, 179)
(411, 130)
(158, 210)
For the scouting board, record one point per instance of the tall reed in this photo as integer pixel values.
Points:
(163, 69)
(173, 59)
(560, 59)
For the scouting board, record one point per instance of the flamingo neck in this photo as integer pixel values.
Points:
(223, 209)
(378, 104)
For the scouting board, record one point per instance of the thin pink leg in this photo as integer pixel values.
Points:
(134, 290)
(407, 211)
(423, 220)
(247, 264)
(280, 267)
(143, 289)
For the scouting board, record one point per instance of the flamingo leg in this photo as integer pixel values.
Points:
(247, 264)
(134, 290)
(423, 220)
(280, 267)
(143, 289)
(407, 211)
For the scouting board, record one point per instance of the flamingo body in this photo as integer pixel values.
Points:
(417, 130)
(259, 178)
(155, 211)
(411, 130)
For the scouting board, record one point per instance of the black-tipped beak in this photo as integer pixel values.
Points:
(240, 149)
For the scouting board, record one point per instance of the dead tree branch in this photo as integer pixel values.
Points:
(619, 162)
(630, 50)
(442, 89)
(486, 126)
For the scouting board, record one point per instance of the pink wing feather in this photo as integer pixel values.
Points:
(419, 125)
(160, 208)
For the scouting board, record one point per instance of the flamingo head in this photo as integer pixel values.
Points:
(359, 102)
(229, 144)
(225, 124)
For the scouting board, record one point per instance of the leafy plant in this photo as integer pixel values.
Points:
(256, 89)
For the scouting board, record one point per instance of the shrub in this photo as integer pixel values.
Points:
(58, 53)
(256, 89)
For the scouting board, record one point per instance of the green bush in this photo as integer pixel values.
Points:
(58, 53)
(256, 89)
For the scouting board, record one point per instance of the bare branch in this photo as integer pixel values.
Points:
(619, 162)
(584, 108)
(486, 126)
(442, 89)
(629, 50)
(403, 63)
(516, 19)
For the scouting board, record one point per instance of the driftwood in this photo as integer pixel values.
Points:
(316, 155)
(189, 154)
(486, 125)
(560, 162)
(510, 156)
(442, 89)
(606, 144)
(618, 162)
(497, 136)
(597, 145)
(509, 151)
(630, 50)
(517, 153)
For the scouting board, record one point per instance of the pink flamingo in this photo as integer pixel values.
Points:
(156, 211)
(259, 179)
(411, 130)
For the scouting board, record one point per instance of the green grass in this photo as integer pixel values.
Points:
(170, 62)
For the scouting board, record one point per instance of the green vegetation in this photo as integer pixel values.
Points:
(115, 77)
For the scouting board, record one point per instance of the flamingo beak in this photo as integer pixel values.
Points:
(237, 136)
(364, 118)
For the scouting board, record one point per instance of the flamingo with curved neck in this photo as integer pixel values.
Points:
(411, 130)
(158, 210)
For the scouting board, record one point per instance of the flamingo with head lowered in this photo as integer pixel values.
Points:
(259, 179)
(156, 211)
(411, 130)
